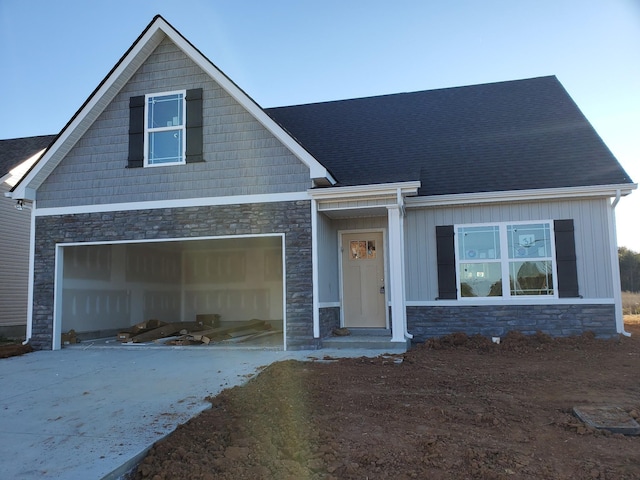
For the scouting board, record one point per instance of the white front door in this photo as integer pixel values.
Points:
(363, 287)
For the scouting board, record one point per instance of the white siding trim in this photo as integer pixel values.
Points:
(521, 195)
(314, 267)
(32, 249)
(284, 284)
(395, 283)
(329, 304)
(181, 203)
(615, 267)
(502, 302)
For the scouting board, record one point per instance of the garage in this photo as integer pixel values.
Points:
(107, 288)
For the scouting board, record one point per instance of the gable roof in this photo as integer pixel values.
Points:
(14, 151)
(505, 136)
(145, 44)
(515, 135)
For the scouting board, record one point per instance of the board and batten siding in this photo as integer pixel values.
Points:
(14, 261)
(595, 280)
(328, 257)
(241, 157)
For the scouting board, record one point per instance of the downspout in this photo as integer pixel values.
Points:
(617, 286)
(403, 214)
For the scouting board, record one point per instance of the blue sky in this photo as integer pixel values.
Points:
(54, 53)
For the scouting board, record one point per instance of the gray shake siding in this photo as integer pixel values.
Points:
(241, 156)
(293, 219)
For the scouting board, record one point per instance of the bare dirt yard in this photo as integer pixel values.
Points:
(457, 407)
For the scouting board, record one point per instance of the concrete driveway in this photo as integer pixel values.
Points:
(92, 414)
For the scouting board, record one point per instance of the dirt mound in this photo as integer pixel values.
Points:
(14, 349)
(456, 407)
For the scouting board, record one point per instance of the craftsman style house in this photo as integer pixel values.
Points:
(171, 194)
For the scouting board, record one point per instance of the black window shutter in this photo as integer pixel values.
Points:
(566, 259)
(194, 126)
(446, 263)
(136, 132)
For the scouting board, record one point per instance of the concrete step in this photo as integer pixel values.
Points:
(371, 342)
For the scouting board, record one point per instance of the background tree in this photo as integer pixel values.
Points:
(629, 269)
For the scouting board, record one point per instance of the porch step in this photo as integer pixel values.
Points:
(370, 342)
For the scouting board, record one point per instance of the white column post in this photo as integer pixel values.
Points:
(315, 277)
(395, 285)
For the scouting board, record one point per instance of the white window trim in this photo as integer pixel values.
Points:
(183, 128)
(505, 260)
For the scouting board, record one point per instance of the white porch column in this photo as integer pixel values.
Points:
(395, 284)
(314, 257)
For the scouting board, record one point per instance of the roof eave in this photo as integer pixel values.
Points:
(609, 191)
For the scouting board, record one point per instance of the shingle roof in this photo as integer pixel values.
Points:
(515, 135)
(16, 150)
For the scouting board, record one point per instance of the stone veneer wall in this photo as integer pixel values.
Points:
(329, 319)
(291, 218)
(496, 320)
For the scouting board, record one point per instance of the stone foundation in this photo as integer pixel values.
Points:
(497, 320)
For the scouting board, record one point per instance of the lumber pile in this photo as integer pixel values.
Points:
(201, 332)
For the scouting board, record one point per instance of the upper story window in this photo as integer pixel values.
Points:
(165, 129)
(505, 260)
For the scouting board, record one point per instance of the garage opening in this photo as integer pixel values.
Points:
(223, 284)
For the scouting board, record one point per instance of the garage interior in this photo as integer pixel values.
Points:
(110, 288)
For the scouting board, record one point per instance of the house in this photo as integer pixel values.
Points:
(16, 157)
(172, 194)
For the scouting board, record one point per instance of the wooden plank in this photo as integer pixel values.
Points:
(205, 336)
(166, 331)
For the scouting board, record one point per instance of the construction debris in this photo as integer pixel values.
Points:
(205, 330)
(229, 331)
(127, 335)
(69, 337)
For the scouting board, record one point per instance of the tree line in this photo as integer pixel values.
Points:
(629, 269)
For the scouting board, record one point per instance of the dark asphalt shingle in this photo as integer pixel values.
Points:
(515, 135)
(16, 150)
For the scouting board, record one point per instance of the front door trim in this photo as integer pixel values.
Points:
(364, 231)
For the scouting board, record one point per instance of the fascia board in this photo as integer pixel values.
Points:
(521, 195)
(317, 170)
(358, 191)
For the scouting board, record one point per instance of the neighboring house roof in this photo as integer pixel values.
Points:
(14, 151)
(514, 135)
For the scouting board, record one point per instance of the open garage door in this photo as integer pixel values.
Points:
(109, 288)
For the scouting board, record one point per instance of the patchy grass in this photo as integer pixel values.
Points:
(632, 319)
(631, 303)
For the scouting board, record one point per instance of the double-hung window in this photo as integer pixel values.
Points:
(165, 128)
(506, 260)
